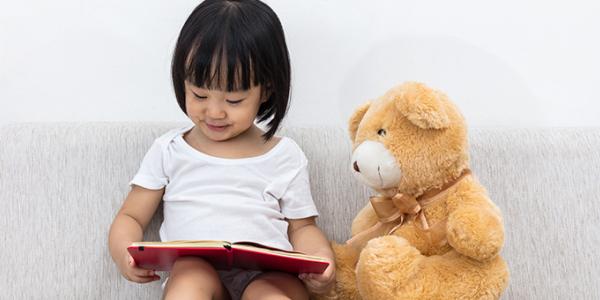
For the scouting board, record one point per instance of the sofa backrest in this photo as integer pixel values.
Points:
(61, 185)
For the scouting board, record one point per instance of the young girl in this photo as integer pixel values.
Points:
(223, 178)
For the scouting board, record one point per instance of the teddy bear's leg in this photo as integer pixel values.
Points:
(496, 280)
(469, 279)
(384, 264)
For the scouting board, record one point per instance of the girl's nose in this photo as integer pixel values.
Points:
(215, 111)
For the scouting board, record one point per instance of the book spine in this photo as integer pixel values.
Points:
(227, 246)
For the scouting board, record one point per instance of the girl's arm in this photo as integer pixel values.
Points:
(306, 237)
(128, 226)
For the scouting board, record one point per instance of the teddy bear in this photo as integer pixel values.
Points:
(431, 231)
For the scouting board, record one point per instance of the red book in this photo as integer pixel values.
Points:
(223, 255)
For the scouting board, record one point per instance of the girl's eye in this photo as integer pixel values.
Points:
(381, 132)
(234, 101)
(199, 97)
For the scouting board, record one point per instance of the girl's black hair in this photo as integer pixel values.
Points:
(243, 38)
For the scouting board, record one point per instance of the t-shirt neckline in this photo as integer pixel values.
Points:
(195, 152)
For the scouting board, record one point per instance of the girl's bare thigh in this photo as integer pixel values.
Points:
(275, 285)
(194, 278)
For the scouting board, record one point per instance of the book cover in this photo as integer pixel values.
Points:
(224, 255)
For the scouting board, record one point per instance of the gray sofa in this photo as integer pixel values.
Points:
(62, 183)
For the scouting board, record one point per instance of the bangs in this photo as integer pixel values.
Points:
(221, 59)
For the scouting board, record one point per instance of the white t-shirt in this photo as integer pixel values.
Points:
(213, 198)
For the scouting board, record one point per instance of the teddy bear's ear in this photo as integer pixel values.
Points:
(421, 105)
(356, 118)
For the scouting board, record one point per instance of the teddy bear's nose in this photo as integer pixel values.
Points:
(355, 166)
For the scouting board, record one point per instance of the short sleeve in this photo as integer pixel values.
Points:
(297, 202)
(151, 174)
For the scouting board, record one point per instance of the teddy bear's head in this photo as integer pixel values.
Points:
(409, 140)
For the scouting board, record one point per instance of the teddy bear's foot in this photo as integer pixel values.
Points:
(383, 264)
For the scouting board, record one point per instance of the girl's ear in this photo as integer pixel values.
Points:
(265, 93)
(355, 119)
(421, 105)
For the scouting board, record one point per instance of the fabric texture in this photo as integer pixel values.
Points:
(208, 197)
(61, 185)
(236, 281)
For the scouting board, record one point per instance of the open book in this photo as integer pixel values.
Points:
(223, 255)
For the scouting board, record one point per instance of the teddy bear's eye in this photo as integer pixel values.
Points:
(381, 132)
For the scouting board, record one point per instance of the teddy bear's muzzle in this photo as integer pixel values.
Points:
(373, 165)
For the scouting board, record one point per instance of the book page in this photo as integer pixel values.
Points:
(266, 249)
(184, 243)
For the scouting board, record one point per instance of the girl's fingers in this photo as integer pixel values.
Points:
(312, 284)
(145, 279)
(130, 260)
(139, 271)
(307, 278)
(137, 274)
(314, 279)
(142, 278)
(143, 272)
(316, 286)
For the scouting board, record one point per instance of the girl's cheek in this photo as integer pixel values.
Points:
(194, 109)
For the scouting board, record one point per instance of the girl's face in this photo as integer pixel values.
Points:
(222, 115)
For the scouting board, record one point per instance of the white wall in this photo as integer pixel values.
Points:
(506, 63)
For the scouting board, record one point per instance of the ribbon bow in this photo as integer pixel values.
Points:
(393, 212)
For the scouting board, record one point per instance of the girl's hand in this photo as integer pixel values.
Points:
(319, 284)
(132, 272)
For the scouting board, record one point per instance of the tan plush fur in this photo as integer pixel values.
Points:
(427, 136)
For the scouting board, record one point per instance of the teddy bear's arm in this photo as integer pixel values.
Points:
(365, 218)
(475, 226)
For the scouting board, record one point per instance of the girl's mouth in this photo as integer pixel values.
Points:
(216, 128)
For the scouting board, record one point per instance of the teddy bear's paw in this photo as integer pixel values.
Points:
(477, 233)
(384, 263)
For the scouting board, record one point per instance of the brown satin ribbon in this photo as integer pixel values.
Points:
(393, 212)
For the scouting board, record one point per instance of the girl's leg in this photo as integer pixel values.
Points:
(275, 285)
(194, 278)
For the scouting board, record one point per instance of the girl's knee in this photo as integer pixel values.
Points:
(191, 264)
(193, 275)
(275, 285)
(194, 268)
